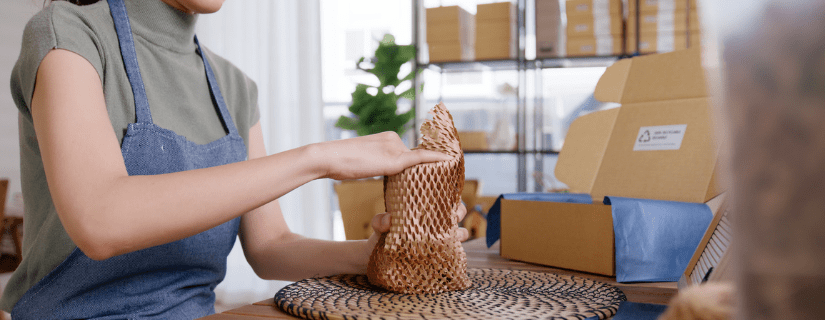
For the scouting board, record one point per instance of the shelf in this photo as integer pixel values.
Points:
(527, 99)
(472, 66)
(576, 62)
(510, 152)
(513, 64)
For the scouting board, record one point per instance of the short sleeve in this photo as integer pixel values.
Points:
(255, 113)
(61, 25)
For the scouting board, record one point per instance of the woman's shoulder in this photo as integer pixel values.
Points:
(62, 25)
(60, 17)
(229, 74)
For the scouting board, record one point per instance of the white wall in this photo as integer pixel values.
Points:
(13, 17)
(277, 44)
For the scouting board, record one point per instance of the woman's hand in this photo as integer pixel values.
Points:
(378, 154)
(381, 223)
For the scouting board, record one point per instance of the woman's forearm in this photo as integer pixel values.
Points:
(295, 257)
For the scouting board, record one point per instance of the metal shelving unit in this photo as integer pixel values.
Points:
(522, 66)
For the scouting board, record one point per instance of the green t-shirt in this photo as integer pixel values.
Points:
(176, 86)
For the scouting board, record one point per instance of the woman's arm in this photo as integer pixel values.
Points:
(106, 212)
(274, 252)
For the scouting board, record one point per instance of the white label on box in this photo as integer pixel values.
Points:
(601, 25)
(666, 17)
(668, 5)
(582, 7)
(601, 8)
(644, 45)
(660, 138)
(665, 41)
(604, 45)
(581, 27)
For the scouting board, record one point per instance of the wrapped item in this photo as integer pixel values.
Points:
(422, 253)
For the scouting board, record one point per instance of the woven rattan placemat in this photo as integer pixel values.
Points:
(495, 294)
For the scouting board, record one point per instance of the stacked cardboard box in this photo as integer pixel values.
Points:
(473, 140)
(604, 154)
(450, 34)
(663, 25)
(548, 25)
(496, 31)
(594, 27)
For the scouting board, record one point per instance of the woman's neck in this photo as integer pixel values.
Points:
(195, 6)
(162, 24)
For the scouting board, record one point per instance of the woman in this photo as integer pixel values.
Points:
(133, 146)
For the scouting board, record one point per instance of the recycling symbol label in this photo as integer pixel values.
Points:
(653, 138)
(645, 137)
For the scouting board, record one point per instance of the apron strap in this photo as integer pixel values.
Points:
(127, 51)
(215, 90)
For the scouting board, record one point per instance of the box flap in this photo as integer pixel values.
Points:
(584, 147)
(715, 185)
(659, 77)
(663, 150)
(611, 85)
(660, 144)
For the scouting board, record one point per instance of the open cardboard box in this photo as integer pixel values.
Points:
(658, 145)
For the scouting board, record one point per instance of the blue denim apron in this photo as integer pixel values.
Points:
(170, 281)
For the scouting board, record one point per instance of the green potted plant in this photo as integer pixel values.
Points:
(375, 110)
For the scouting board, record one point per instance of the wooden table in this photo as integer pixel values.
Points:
(479, 256)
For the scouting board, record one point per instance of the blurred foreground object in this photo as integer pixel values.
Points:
(709, 301)
(774, 67)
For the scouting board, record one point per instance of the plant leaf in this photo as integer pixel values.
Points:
(346, 123)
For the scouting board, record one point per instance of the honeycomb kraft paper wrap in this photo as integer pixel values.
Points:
(422, 253)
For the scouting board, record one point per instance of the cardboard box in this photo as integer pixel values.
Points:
(447, 52)
(575, 7)
(662, 42)
(659, 5)
(609, 153)
(498, 30)
(678, 21)
(473, 140)
(359, 201)
(589, 25)
(496, 11)
(594, 46)
(565, 235)
(695, 39)
(495, 31)
(494, 50)
(657, 90)
(548, 26)
(450, 34)
(451, 23)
